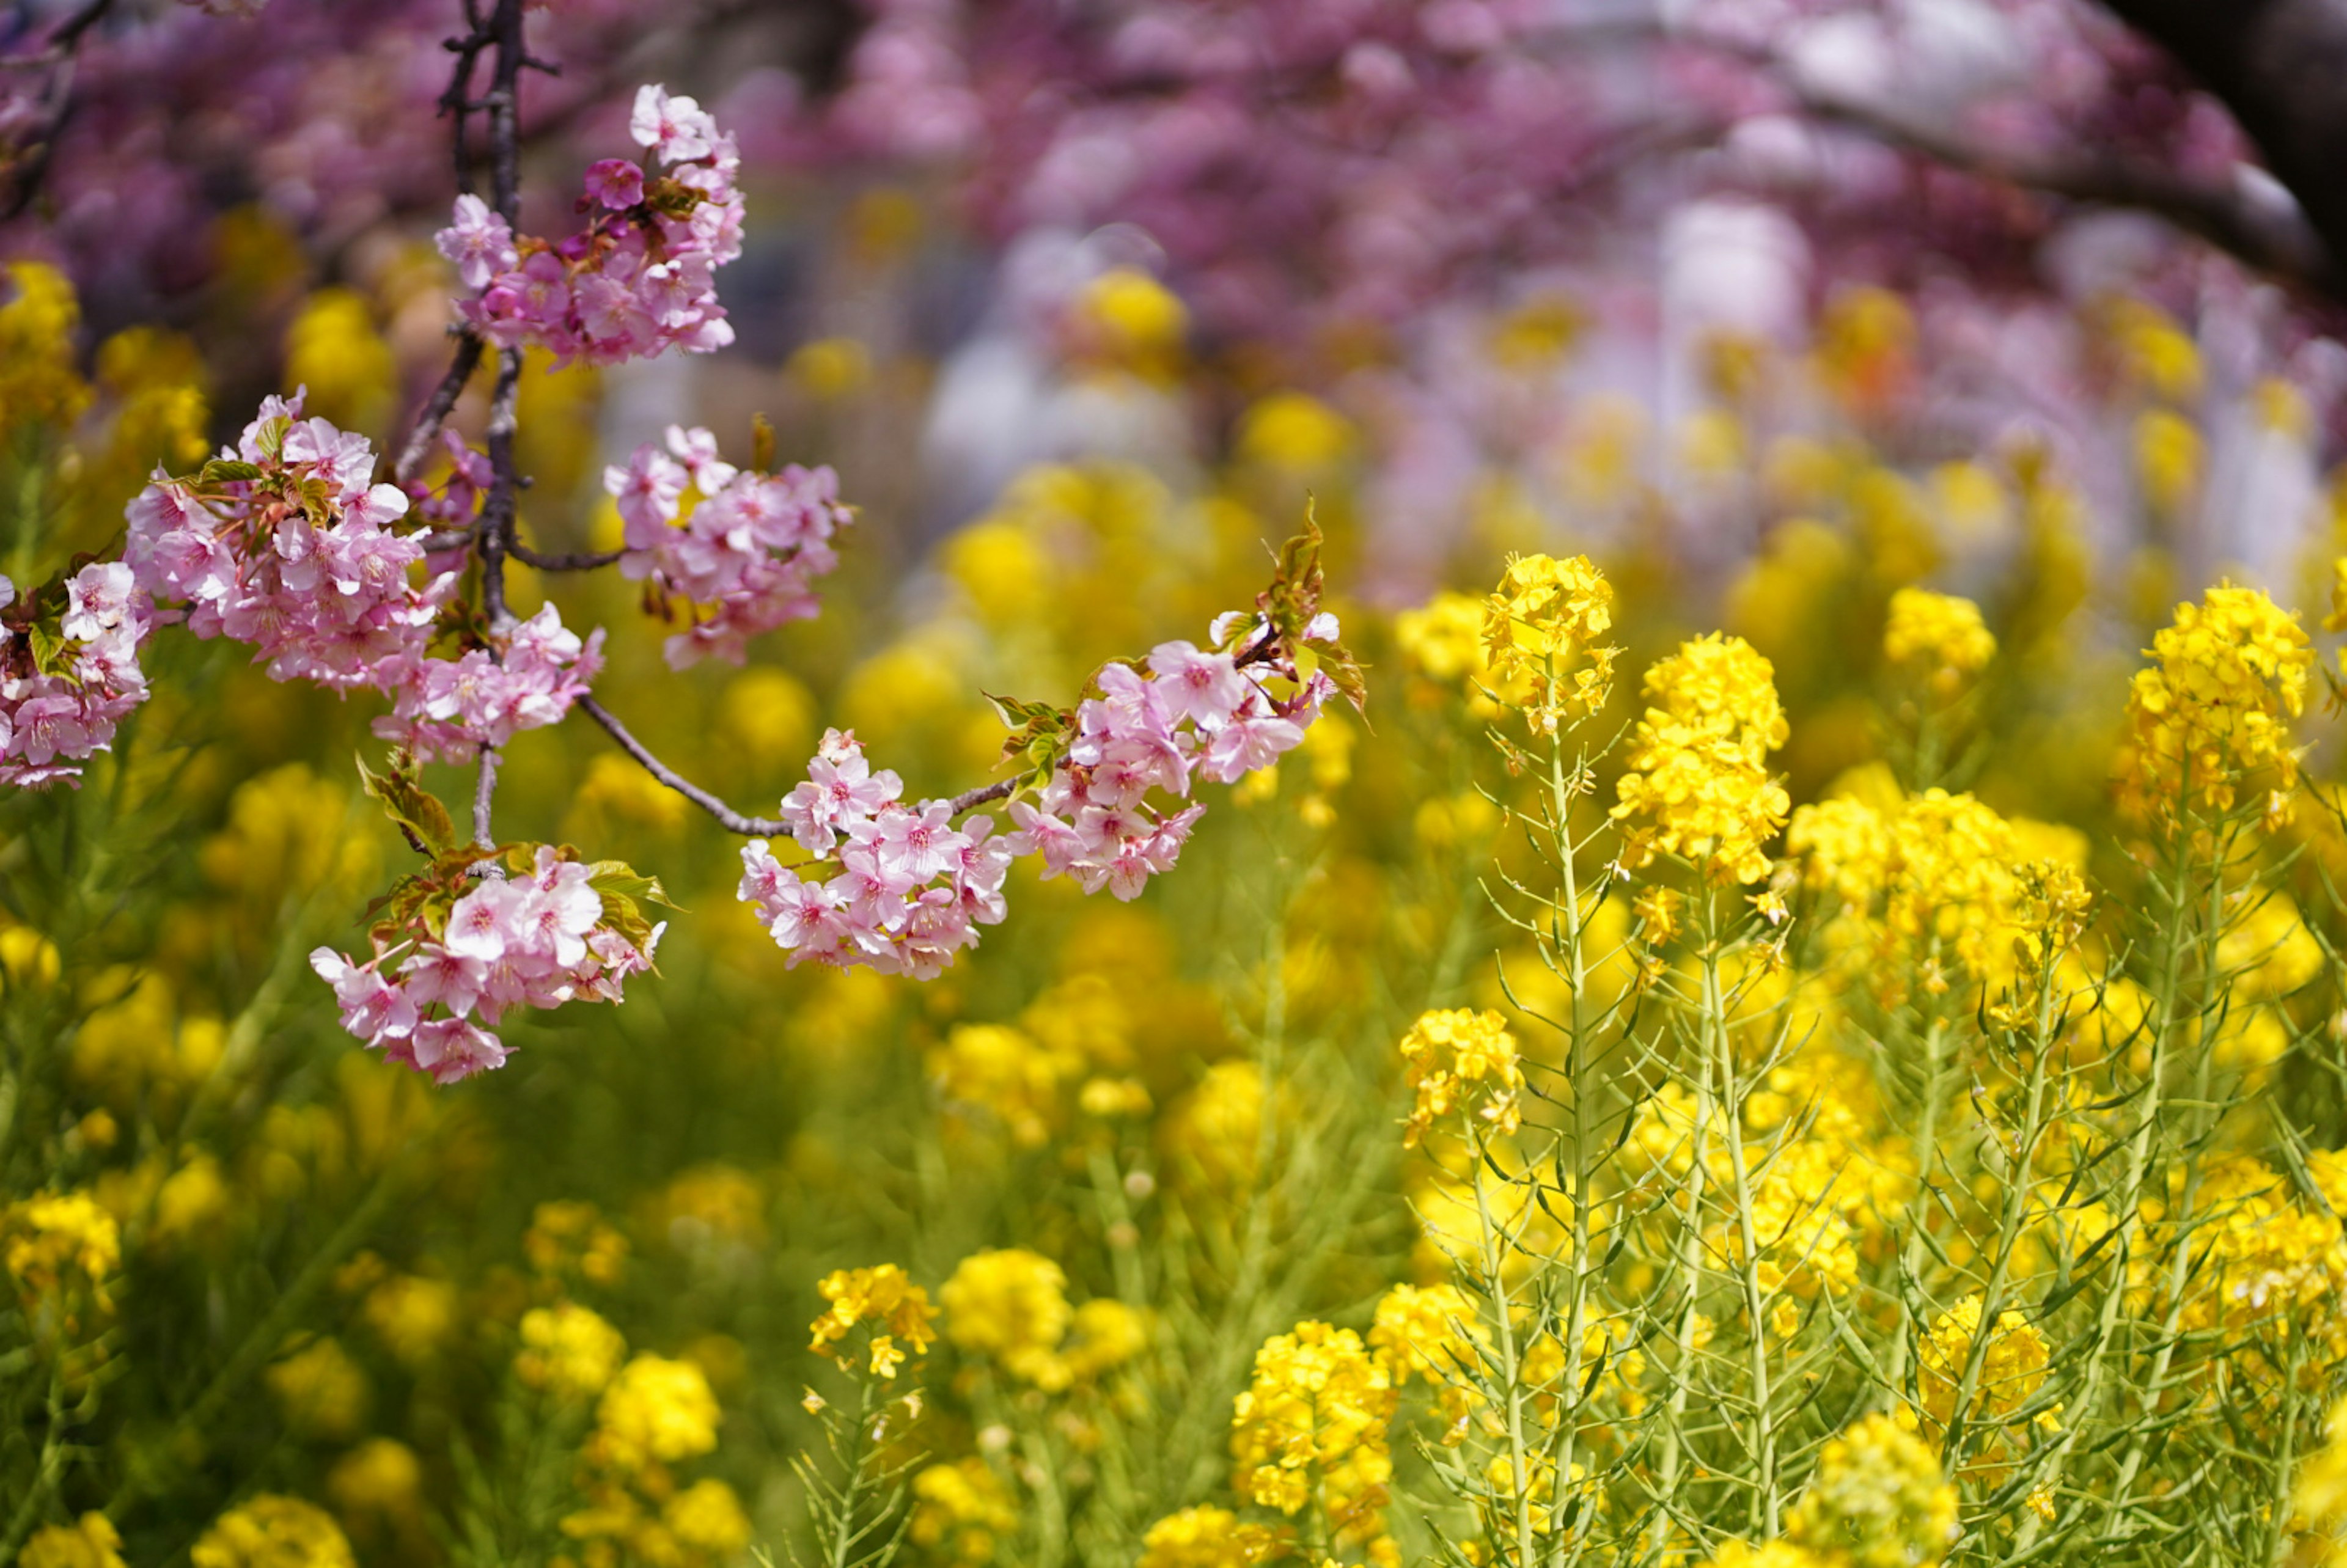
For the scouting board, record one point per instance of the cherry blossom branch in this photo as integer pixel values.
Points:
(733, 821)
(584, 560)
(483, 792)
(2276, 67)
(2273, 238)
(57, 57)
(727, 817)
(2283, 240)
(437, 408)
(969, 799)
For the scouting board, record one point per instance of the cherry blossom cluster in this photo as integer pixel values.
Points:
(1198, 711)
(285, 543)
(431, 997)
(64, 686)
(639, 278)
(746, 556)
(911, 888)
(529, 677)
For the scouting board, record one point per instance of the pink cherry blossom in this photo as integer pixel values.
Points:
(639, 279)
(55, 716)
(745, 562)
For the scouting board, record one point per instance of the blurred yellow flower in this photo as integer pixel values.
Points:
(273, 1531)
(568, 1351)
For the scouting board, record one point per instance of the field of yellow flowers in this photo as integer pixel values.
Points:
(1862, 1086)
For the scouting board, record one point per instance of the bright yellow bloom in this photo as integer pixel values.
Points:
(1767, 1554)
(895, 1306)
(1213, 1134)
(1877, 1499)
(2013, 1367)
(1106, 1333)
(1939, 636)
(708, 1520)
(37, 379)
(1427, 1333)
(1315, 1420)
(2215, 711)
(1004, 1072)
(1698, 782)
(2322, 1497)
(1210, 1538)
(1444, 637)
(90, 1543)
(1011, 1304)
(1456, 1056)
(58, 1245)
(656, 1411)
(961, 1511)
(414, 1316)
(1541, 625)
(568, 1351)
(273, 1531)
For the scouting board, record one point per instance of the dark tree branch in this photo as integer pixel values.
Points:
(2271, 240)
(731, 820)
(1000, 789)
(727, 817)
(436, 408)
(2281, 67)
(57, 57)
(585, 560)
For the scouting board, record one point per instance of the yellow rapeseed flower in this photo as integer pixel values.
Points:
(2013, 1367)
(1698, 783)
(896, 1310)
(656, 1411)
(273, 1531)
(1011, 1304)
(1312, 1424)
(1210, 1538)
(2215, 710)
(1543, 627)
(961, 1511)
(91, 1543)
(1939, 636)
(568, 1351)
(1878, 1500)
(1458, 1059)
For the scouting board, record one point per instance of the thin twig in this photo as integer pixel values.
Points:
(484, 791)
(733, 821)
(587, 560)
(970, 798)
(437, 408)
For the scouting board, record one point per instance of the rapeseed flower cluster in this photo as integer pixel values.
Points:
(1310, 1430)
(1937, 637)
(2214, 712)
(1543, 626)
(893, 1311)
(1698, 784)
(1458, 1061)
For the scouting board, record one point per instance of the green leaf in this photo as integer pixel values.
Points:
(228, 470)
(625, 891)
(416, 810)
(48, 650)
